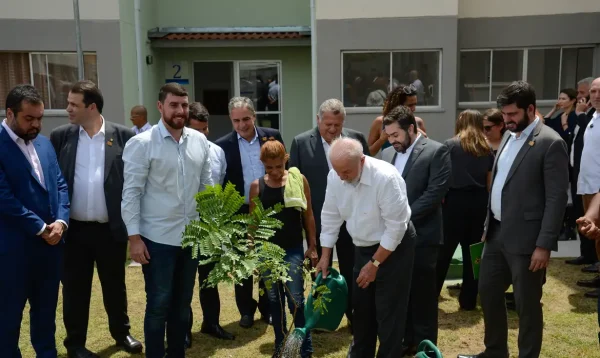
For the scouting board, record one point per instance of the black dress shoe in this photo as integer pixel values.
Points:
(408, 351)
(217, 331)
(578, 261)
(81, 353)
(188, 340)
(590, 269)
(349, 355)
(267, 319)
(591, 294)
(593, 283)
(247, 321)
(130, 345)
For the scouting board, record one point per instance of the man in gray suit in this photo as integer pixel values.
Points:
(527, 204)
(309, 153)
(425, 167)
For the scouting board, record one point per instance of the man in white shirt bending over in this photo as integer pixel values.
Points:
(370, 195)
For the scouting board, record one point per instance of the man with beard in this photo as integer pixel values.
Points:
(88, 154)
(165, 167)
(370, 196)
(527, 204)
(34, 212)
(310, 154)
(425, 167)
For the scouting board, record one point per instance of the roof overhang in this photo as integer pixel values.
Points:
(230, 36)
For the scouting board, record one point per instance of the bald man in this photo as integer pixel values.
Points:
(370, 196)
(139, 118)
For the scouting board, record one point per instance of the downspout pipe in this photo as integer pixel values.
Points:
(139, 50)
(313, 58)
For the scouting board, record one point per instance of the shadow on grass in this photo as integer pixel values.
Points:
(568, 275)
(204, 345)
(324, 343)
(111, 350)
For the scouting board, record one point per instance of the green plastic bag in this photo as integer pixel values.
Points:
(476, 253)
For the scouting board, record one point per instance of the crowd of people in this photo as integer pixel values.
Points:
(509, 177)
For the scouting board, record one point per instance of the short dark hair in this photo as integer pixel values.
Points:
(91, 94)
(198, 112)
(519, 93)
(20, 94)
(173, 88)
(403, 116)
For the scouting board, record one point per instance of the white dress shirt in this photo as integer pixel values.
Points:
(88, 202)
(326, 147)
(588, 181)
(376, 209)
(503, 164)
(162, 178)
(28, 151)
(218, 163)
(30, 154)
(137, 130)
(402, 158)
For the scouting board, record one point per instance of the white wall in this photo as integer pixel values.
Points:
(506, 8)
(356, 9)
(59, 9)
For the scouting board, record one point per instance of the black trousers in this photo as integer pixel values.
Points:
(464, 216)
(587, 247)
(422, 318)
(345, 254)
(210, 301)
(499, 269)
(246, 304)
(87, 244)
(380, 309)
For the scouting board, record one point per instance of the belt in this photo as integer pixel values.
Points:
(87, 223)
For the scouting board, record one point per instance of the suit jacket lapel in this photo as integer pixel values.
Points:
(43, 163)
(110, 150)
(236, 159)
(71, 153)
(11, 145)
(418, 148)
(316, 142)
(530, 141)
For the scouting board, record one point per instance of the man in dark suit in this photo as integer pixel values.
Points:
(34, 213)
(425, 167)
(242, 153)
(527, 204)
(89, 153)
(309, 153)
(584, 113)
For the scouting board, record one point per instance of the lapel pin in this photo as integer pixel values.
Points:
(531, 143)
(264, 139)
(110, 142)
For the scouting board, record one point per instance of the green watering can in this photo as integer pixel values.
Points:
(330, 320)
(428, 350)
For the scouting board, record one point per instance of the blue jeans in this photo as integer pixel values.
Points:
(170, 276)
(295, 299)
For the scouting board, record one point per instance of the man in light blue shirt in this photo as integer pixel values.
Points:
(164, 169)
(242, 153)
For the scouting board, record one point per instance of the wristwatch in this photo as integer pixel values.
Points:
(375, 262)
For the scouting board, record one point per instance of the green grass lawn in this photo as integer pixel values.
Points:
(570, 324)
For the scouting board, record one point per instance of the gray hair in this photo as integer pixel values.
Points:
(241, 102)
(587, 80)
(332, 105)
(345, 147)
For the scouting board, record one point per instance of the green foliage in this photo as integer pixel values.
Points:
(236, 243)
(321, 298)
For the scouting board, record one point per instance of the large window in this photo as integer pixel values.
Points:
(483, 73)
(369, 76)
(51, 73)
